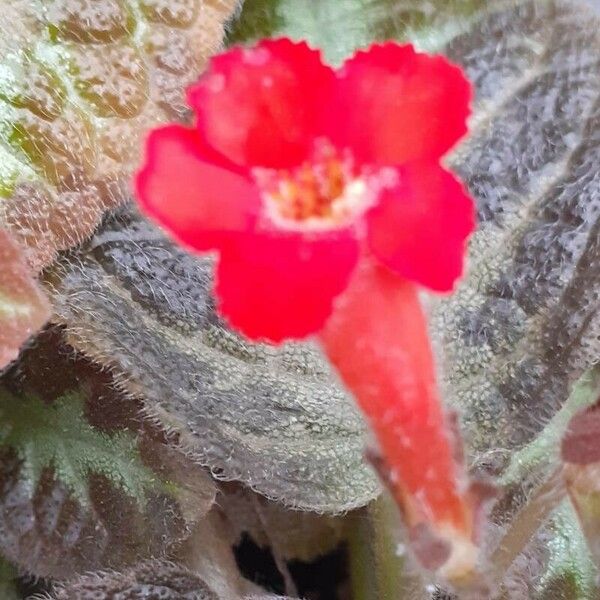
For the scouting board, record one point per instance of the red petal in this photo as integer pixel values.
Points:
(198, 200)
(393, 105)
(259, 106)
(278, 286)
(419, 228)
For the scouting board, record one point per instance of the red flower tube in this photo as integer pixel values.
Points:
(377, 339)
(323, 195)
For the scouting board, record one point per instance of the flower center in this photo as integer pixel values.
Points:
(325, 190)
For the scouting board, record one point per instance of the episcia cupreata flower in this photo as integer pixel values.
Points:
(323, 195)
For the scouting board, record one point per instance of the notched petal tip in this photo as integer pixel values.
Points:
(287, 44)
(259, 105)
(387, 52)
(393, 105)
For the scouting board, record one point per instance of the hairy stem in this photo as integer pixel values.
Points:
(522, 528)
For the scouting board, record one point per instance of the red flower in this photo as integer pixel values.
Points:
(323, 194)
(294, 170)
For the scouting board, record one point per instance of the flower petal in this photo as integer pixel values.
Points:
(419, 227)
(259, 106)
(191, 193)
(393, 105)
(282, 285)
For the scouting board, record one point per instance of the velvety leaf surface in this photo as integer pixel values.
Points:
(80, 82)
(271, 417)
(85, 483)
(150, 580)
(58, 435)
(146, 581)
(524, 324)
(23, 306)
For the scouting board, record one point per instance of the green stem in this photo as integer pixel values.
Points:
(543, 450)
(361, 558)
(378, 564)
(8, 575)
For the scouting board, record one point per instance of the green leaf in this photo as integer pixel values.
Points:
(341, 26)
(57, 435)
(78, 90)
(570, 565)
(86, 482)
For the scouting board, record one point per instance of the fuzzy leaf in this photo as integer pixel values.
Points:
(523, 326)
(58, 436)
(23, 306)
(85, 483)
(80, 82)
(271, 417)
(148, 580)
(47, 532)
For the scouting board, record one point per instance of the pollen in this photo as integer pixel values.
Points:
(324, 190)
